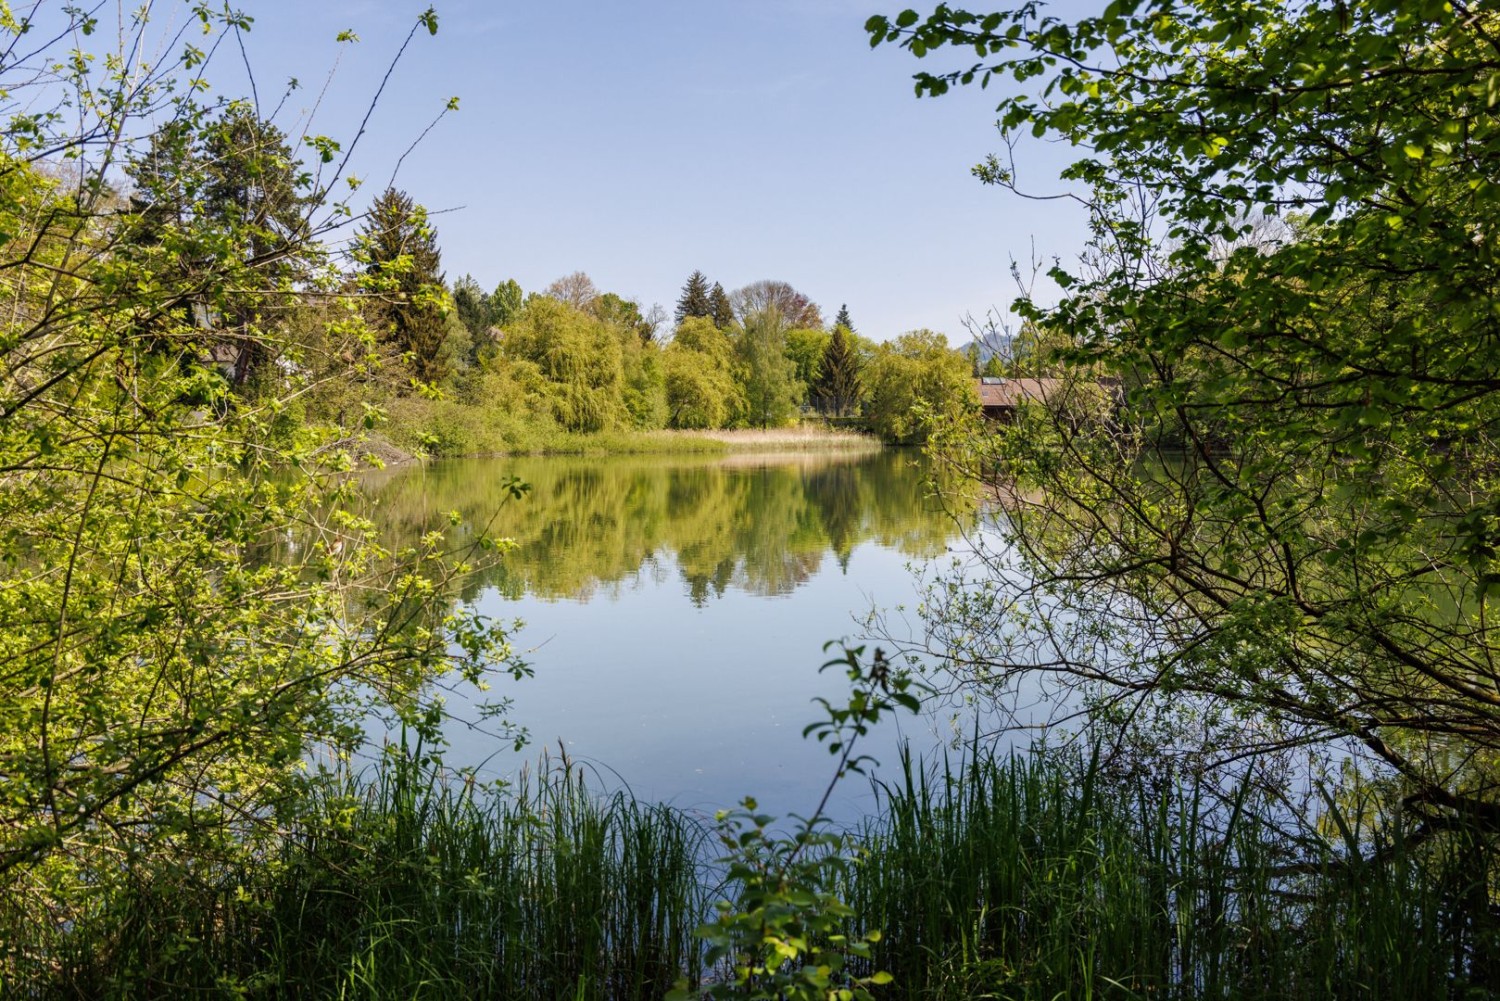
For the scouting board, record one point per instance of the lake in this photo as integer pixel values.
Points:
(675, 608)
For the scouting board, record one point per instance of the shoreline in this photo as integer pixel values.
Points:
(389, 455)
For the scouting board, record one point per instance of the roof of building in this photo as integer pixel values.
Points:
(995, 392)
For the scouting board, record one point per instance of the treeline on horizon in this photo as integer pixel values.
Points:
(376, 336)
(505, 370)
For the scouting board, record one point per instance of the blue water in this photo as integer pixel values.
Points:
(690, 691)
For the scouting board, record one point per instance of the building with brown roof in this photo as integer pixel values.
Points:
(1000, 397)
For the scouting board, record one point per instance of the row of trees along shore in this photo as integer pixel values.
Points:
(460, 370)
(580, 360)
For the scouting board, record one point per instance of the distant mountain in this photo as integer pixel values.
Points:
(991, 343)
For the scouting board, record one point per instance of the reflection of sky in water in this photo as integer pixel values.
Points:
(698, 702)
(700, 705)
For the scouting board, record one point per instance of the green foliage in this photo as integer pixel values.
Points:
(575, 361)
(1294, 282)
(504, 303)
(914, 380)
(768, 378)
(842, 319)
(226, 185)
(470, 305)
(701, 389)
(837, 389)
(644, 389)
(612, 308)
(399, 252)
(783, 935)
(722, 310)
(405, 882)
(1049, 874)
(190, 599)
(806, 348)
(695, 300)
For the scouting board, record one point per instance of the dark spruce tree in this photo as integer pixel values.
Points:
(836, 392)
(723, 309)
(694, 300)
(399, 251)
(842, 320)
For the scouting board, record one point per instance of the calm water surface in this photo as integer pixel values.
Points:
(675, 609)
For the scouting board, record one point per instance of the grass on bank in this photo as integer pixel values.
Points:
(451, 429)
(995, 877)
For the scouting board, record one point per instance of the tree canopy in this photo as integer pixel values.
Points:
(913, 381)
(190, 602)
(695, 299)
(1291, 516)
(836, 390)
(794, 308)
(768, 375)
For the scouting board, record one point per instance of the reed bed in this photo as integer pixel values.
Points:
(1020, 877)
(407, 886)
(806, 437)
(1032, 877)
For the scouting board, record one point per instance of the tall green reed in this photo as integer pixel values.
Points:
(1041, 876)
(407, 884)
(1029, 876)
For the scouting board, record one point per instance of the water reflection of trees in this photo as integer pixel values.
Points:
(760, 524)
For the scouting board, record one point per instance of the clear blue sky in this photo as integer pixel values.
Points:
(747, 138)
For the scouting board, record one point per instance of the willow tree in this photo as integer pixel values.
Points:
(767, 377)
(1287, 531)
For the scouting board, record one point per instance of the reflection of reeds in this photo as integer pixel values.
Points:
(802, 460)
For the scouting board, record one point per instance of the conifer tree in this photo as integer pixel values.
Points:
(399, 250)
(842, 320)
(694, 300)
(472, 304)
(722, 309)
(836, 391)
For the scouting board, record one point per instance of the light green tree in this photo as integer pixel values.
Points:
(579, 359)
(190, 602)
(913, 381)
(805, 347)
(768, 378)
(699, 372)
